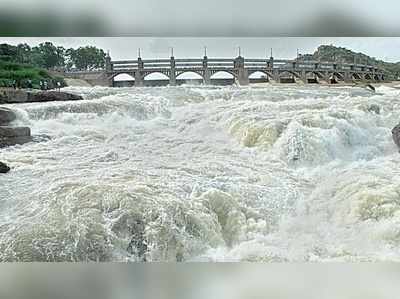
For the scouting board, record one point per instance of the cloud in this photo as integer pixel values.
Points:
(229, 18)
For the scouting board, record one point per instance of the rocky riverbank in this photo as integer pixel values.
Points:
(11, 96)
(9, 134)
(12, 135)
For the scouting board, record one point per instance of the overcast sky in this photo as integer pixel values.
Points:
(386, 48)
(232, 18)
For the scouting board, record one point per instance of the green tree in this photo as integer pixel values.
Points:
(24, 54)
(86, 58)
(69, 61)
(8, 52)
(37, 58)
(48, 55)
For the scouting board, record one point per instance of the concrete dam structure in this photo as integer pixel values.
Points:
(273, 70)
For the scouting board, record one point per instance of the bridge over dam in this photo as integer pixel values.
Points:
(240, 69)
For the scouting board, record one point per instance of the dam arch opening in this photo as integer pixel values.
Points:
(123, 80)
(258, 77)
(156, 79)
(189, 77)
(222, 78)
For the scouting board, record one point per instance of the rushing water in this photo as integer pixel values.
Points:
(279, 173)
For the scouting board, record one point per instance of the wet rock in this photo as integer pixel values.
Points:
(396, 135)
(4, 168)
(6, 131)
(49, 96)
(6, 116)
(371, 87)
(23, 96)
(374, 108)
(11, 141)
(14, 135)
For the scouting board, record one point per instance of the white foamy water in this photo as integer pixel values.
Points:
(279, 173)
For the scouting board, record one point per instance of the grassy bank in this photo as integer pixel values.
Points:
(21, 73)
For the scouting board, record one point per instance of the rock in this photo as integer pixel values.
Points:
(49, 96)
(6, 116)
(4, 168)
(371, 87)
(13, 96)
(6, 131)
(23, 96)
(396, 135)
(374, 108)
(14, 135)
(4, 142)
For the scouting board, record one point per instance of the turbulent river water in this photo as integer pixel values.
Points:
(192, 173)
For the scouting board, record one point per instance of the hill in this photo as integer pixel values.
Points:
(331, 53)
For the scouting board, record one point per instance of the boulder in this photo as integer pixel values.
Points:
(6, 131)
(13, 96)
(4, 168)
(49, 96)
(11, 141)
(396, 135)
(14, 135)
(6, 116)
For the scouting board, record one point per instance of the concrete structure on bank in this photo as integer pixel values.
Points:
(276, 70)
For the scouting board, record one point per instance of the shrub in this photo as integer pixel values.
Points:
(21, 73)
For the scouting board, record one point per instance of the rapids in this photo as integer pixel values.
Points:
(195, 173)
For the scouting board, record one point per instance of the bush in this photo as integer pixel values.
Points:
(5, 82)
(21, 73)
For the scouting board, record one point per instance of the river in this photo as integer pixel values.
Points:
(195, 173)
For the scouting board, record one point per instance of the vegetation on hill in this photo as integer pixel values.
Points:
(48, 56)
(22, 62)
(333, 53)
(11, 72)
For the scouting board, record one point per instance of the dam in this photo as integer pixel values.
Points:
(240, 69)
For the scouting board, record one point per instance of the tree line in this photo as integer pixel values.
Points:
(49, 56)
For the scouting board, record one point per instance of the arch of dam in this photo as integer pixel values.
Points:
(276, 70)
